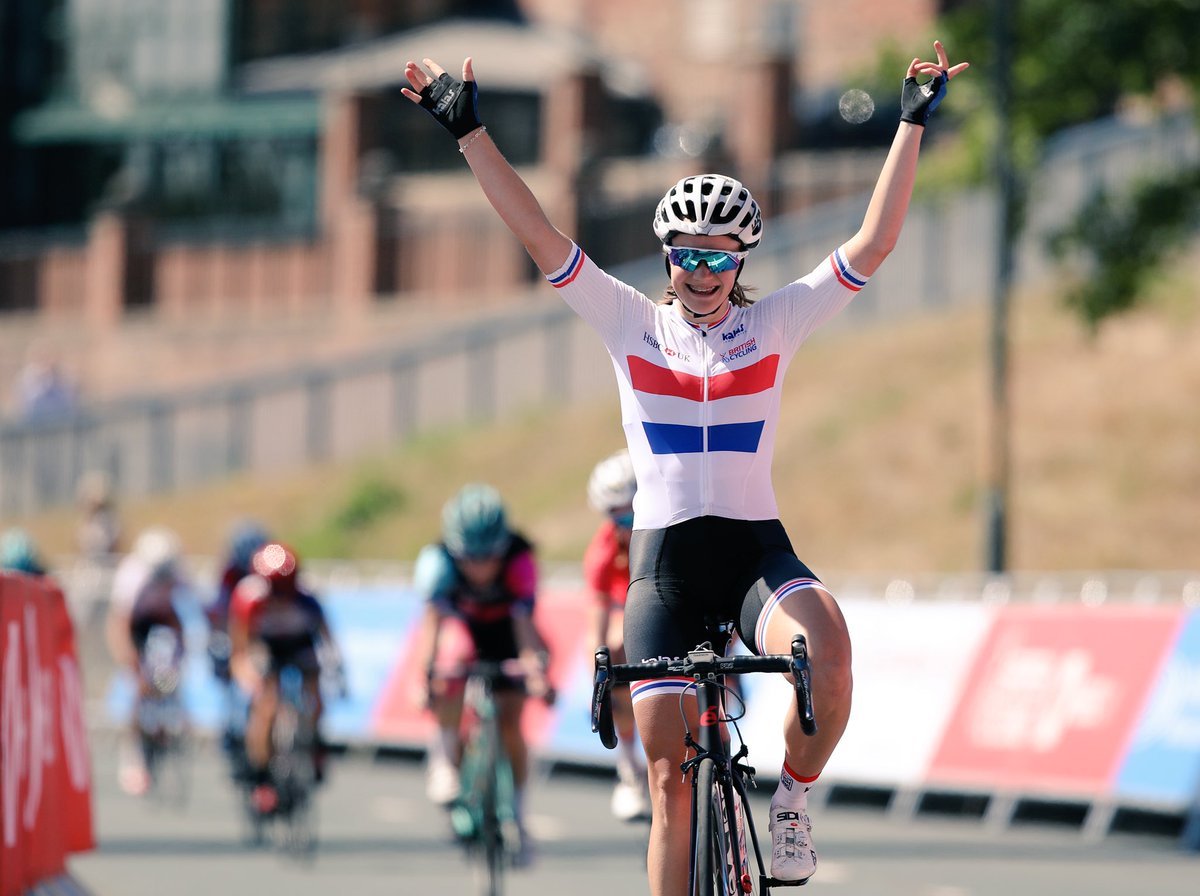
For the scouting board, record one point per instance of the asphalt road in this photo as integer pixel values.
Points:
(378, 835)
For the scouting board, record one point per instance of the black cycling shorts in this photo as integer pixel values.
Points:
(298, 650)
(699, 573)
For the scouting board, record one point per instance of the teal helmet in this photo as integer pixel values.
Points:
(18, 553)
(244, 541)
(474, 524)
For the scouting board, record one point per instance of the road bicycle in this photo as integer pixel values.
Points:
(723, 835)
(483, 816)
(292, 772)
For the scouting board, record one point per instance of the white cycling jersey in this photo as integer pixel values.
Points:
(700, 403)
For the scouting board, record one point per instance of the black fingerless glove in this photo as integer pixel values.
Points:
(917, 101)
(453, 104)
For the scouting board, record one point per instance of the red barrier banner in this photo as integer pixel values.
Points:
(45, 773)
(1052, 698)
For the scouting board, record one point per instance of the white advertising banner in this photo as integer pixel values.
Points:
(910, 663)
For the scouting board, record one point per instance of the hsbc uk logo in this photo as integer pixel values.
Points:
(669, 352)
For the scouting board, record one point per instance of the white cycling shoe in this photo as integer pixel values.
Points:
(630, 801)
(441, 782)
(792, 855)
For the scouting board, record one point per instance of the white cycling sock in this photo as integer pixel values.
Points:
(629, 758)
(792, 791)
(443, 745)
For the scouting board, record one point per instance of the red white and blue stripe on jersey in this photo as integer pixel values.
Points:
(673, 438)
(699, 403)
(845, 274)
(571, 271)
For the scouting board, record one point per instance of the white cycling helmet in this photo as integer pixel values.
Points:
(709, 205)
(158, 548)
(612, 484)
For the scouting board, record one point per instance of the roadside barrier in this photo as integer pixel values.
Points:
(45, 769)
(1096, 704)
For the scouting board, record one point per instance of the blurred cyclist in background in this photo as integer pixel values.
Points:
(482, 575)
(19, 553)
(611, 488)
(143, 607)
(246, 537)
(275, 623)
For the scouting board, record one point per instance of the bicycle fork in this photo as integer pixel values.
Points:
(726, 797)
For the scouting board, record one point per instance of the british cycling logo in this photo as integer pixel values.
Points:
(733, 334)
(749, 347)
(653, 342)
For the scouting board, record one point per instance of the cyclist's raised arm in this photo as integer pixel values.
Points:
(452, 103)
(866, 250)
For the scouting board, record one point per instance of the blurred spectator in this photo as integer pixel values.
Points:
(19, 553)
(43, 391)
(98, 535)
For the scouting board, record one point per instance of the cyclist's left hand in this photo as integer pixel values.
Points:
(539, 686)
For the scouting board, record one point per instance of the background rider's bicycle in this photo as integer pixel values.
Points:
(292, 772)
(483, 815)
(723, 832)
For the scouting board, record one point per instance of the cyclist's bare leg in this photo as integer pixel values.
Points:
(312, 695)
(660, 725)
(510, 705)
(814, 613)
(446, 704)
(258, 726)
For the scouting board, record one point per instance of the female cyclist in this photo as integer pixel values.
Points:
(481, 578)
(611, 489)
(699, 374)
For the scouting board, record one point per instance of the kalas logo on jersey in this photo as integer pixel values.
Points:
(733, 334)
(653, 342)
(749, 347)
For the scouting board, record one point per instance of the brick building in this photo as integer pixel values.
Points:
(240, 161)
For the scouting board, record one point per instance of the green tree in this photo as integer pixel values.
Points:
(1074, 62)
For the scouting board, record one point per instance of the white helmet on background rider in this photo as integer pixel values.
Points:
(159, 550)
(709, 205)
(613, 483)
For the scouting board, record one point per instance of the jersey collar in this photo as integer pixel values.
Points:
(705, 324)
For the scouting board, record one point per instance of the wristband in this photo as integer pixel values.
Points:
(917, 101)
(452, 103)
(479, 132)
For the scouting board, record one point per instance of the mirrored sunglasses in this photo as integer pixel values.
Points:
(623, 520)
(689, 259)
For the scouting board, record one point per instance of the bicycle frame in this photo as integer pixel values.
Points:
(722, 828)
(485, 809)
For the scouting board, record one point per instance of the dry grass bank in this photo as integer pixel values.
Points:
(880, 462)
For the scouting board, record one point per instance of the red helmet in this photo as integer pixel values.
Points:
(277, 564)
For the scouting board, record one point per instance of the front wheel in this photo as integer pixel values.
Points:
(713, 869)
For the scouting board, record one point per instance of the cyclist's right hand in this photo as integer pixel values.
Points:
(537, 682)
